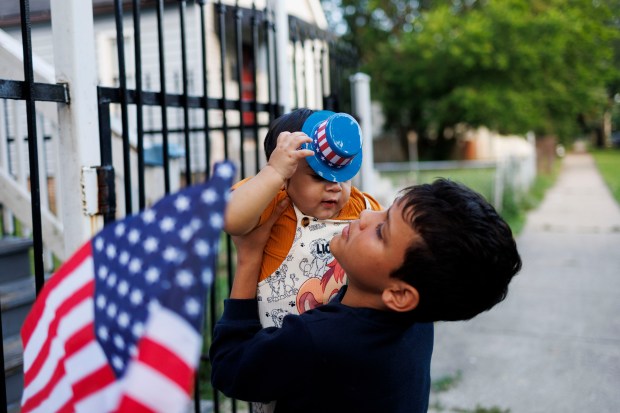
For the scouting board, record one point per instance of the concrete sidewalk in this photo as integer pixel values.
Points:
(554, 344)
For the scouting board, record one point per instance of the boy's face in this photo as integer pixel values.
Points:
(372, 247)
(315, 196)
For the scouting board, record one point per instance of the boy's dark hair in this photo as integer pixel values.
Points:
(290, 122)
(468, 254)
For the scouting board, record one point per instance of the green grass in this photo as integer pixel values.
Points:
(481, 180)
(480, 409)
(514, 209)
(449, 382)
(446, 383)
(608, 163)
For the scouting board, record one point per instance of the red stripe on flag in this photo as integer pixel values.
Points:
(38, 398)
(79, 296)
(95, 381)
(129, 405)
(66, 269)
(160, 358)
(75, 343)
(67, 408)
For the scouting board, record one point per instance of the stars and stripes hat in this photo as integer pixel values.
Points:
(336, 143)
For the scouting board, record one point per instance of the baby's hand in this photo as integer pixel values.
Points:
(285, 157)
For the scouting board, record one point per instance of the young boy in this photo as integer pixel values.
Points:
(311, 158)
(440, 252)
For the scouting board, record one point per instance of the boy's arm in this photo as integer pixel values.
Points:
(242, 353)
(257, 364)
(248, 201)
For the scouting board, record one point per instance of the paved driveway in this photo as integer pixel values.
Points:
(554, 344)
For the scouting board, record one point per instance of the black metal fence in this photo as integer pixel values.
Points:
(241, 117)
(30, 92)
(211, 115)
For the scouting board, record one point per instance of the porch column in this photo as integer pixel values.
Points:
(360, 103)
(74, 62)
(283, 53)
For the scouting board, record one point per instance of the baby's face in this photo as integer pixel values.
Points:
(314, 196)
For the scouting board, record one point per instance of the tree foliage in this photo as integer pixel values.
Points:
(511, 65)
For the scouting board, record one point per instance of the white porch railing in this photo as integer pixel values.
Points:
(14, 193)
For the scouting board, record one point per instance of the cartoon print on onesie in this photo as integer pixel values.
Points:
(309, 276)
(319, 248)
(280, 289)
(317, 291)
(277, 316)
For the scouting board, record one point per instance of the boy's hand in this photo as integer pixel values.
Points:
(250, 249)
(286, 155)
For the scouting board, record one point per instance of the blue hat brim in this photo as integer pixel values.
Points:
(330, 174)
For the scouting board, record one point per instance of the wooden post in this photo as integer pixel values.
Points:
(74, 62)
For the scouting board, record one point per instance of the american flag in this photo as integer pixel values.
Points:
(118, 327)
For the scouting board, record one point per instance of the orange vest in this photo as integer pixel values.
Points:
(283, 231)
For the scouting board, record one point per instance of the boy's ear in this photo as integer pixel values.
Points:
(400, 296)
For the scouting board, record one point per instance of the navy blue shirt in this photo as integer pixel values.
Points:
(333, 358)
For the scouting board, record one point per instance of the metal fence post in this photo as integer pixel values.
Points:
(360, 103)
(74, 62)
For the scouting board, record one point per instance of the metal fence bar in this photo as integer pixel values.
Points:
(42, 92)
(33, 152)
(139, 113)
(221, 13)
(205, 77)
(113, 95)
(205, 85)
(221, 10)
(185, 82)
(228, 250)
(120, 47)
(268, 30)
(255, 39)
(162, 88)
(239, 67)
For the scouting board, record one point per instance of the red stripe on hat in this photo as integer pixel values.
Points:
(322, 143)
(330, 155)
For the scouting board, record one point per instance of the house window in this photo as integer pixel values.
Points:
(109, 72)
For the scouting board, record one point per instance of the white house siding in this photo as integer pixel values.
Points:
(105, 34)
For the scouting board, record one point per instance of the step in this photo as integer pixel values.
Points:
(16, 298)
(14, 258)
(13, 370)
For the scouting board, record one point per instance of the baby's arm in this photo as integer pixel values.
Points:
(250, 255)
(248, 201)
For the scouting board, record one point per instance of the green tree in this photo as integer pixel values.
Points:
(511, 65)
